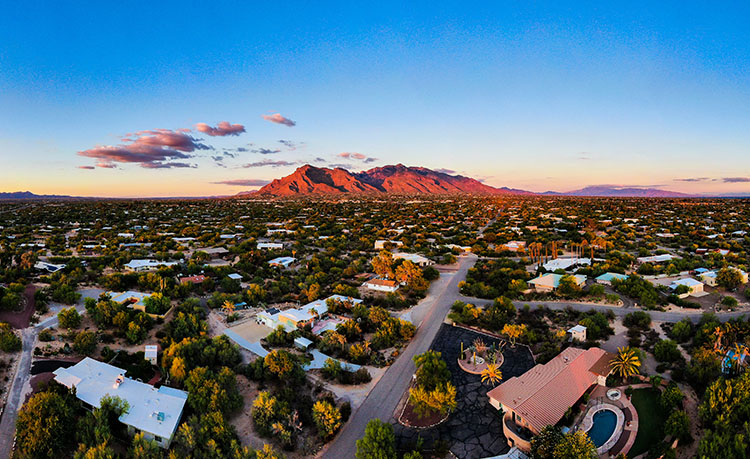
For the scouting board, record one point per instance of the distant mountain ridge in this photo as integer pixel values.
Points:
(29, 195)
(387, 179)
(621, 192)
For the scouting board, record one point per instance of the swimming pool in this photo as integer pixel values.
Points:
(604, 423)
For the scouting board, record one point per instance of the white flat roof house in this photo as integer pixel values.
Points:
(49, 267)
(270, 245)
(147, 264)
(155, 412)
(656, 258)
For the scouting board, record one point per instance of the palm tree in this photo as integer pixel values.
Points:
(228, 307)
(626, 363)
(492, 374)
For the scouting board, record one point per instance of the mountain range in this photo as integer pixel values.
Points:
(387, 179)
(311, 180)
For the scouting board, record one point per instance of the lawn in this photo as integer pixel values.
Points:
(651, 419)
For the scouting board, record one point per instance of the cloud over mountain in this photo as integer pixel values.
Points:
(269, 163)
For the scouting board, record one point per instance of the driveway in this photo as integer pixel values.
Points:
(20, 385)
(385, 396)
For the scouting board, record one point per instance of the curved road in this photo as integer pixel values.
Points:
(383, 398)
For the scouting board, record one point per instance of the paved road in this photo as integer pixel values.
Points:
(20, 384)
(659, 316)
(382, 400)
(17, 392)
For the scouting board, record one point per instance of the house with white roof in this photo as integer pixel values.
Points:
(49, 267)
(381, 285)
(154, 412)
(291, 319)
(147, 264)
(656, 258)
(270, 245)
(151, 353)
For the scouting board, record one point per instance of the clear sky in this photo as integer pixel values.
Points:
(96, 98)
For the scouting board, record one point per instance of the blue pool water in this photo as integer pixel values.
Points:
(604, 423)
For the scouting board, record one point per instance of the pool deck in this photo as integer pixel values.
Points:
(626, 428)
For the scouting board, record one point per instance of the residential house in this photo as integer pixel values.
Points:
(282, 262)
(550, 281)
(694, 286)
(415, 258)
(151, 353)
(381, 285)
(578, 333)
(147, 264)
(606, 278)
(154, 412)
(541, 396)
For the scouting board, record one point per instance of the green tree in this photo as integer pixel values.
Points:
(543, 445)
(729, 278)
(69, 318)
(682, 330)
(9, 341)
(576, 445)
(432, 370)
(45, 425)
(85, 342)
(666, 351)
(677, 425)
(379, 441)
(141, 448)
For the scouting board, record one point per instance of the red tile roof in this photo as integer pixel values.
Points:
(543, 394)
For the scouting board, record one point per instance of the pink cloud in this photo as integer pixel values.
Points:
(359, 156)
(224, 128)
(146, 148)
(278, 119)
(87, 167)
(242, 182)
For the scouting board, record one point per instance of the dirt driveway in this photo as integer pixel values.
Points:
(251, 331)
(20, 319)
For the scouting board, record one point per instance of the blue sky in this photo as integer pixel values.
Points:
(524, 94)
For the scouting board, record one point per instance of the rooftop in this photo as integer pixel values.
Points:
(157, 411)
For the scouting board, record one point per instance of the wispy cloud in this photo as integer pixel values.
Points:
(692, 179)
(359, 156)
(224, 128)
(265, 151)
(341, 166)
(279, 119)
(319, 160)
(154, 147)
(270, 163)
(87, 167)
(243, 182)
(167, 165)
(290, 145)
(584, 156)
(445, 171)
(736, 179)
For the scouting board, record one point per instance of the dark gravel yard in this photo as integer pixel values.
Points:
(474, 430)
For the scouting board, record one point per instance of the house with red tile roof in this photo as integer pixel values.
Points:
(542, 395)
